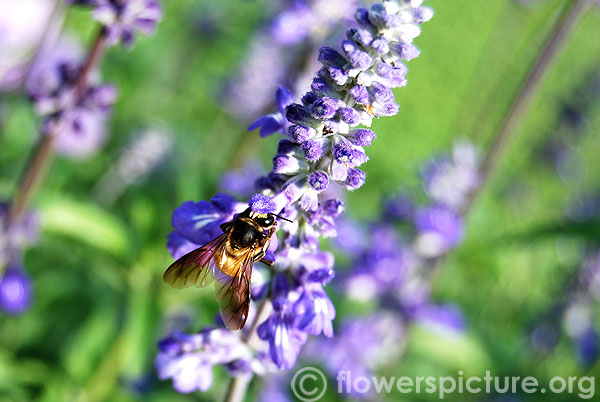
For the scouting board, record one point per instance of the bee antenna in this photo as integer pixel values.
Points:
(285, 219)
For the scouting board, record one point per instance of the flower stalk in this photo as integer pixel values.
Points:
(73, 107)
(567, 19)
(38, 164)
(36, 168)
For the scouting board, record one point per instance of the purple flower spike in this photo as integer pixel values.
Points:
(326, 133)
(380, 93)
(356, 178)
(337, 75)
(331, 57)
(301, 134)
(405, 51)
(269, 124)
(362, 137)
(283, 99)
(359, 59)
(81, 121)
(360, 94)
(314, 149)
(318, 181)
(315, 310)
(360, 36)
(285, 339)
(325, 108)
(299, 114)
(262, 204)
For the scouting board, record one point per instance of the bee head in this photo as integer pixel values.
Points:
(264, 220)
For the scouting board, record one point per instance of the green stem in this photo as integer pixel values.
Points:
(518, 108)
(522, 99)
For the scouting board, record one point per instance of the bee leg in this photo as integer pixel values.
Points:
(267, 262)
(259, 257)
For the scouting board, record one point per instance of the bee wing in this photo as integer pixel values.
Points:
(196, 267)
(233, 292)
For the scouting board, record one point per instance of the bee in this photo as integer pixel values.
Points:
(227, 261)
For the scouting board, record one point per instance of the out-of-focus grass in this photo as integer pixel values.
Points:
(100, 303)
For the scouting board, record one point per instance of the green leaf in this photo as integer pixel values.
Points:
(86, 223)
(91, 341)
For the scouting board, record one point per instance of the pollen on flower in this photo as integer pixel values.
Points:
(262, 204)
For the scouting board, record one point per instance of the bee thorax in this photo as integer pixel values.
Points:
(244, 234)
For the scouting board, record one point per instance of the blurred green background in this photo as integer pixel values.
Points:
(99, 302)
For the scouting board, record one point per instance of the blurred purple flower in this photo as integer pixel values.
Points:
(576, 313)
(351, 236)
(574, 115)
(16, 236)
(242, 182)
(146, 151)
(361, 345)
(78, 122)
(285, 339)
(442, 318)
(22, 24)
(277, 55)
(189, 359)
(15, 284)
(439, 230)
(124, 18)
(292, 25)
(274, 389)
(280, 329)
(15, 290)
(449, 182)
